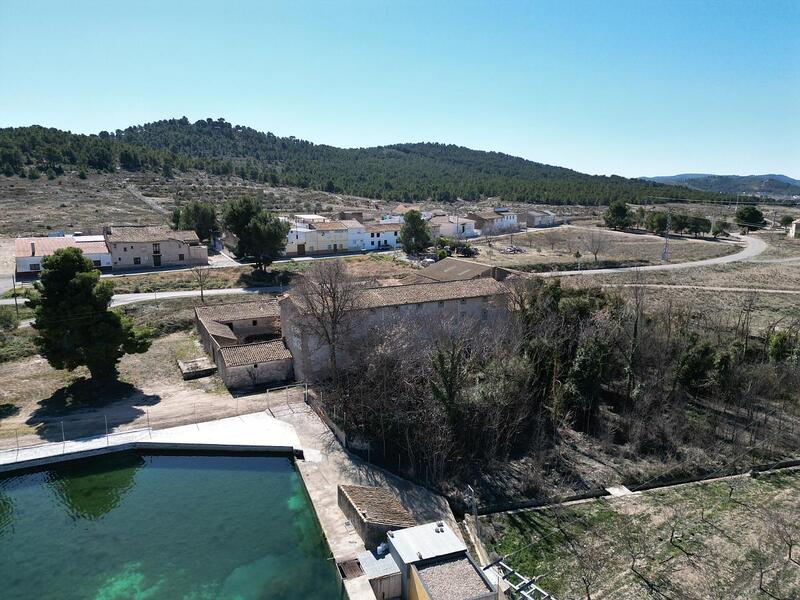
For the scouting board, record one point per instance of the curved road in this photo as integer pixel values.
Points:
(753, 247)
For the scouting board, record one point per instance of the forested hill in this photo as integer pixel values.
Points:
(771, 185)
(396, 172)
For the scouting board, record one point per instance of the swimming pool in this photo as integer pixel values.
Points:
(144, 527)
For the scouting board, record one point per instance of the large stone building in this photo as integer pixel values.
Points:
(478, 300)
(142, 247)
(244, 341)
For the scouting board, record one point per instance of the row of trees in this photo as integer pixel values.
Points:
(619, 216)
(259, 233)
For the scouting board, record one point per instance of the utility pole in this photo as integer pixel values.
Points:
(14, 285)
(665, 253)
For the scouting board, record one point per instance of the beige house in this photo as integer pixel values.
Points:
(473, 300)
(243, 340)
(142, 247)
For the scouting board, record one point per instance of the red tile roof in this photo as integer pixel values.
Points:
(45, 246)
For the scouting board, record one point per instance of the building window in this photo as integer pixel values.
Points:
(255, 322)
(137, 260)
(419, 304)
(372, 234)
(156, 248)
(124, 248)
(463, 301)
(255, 366)
(441, 302)
(395, 233)
(372, 243)
(96, 263)
(180, 256)
(35, 267)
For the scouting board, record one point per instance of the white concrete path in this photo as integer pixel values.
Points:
(250, 432)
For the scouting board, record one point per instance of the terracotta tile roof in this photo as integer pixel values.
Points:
(453, 269)
(149, 233)
(430, 292)
(329, 226)
(252, 354)
(234, 311)
(486, 215)
(45, 246)
(381, 227)
(378, 505)
(444, 220)
(352, 224)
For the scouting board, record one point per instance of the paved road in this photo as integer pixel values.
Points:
(753, 247)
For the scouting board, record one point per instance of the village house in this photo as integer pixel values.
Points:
(382, 235)
(244, 341)
(30, 251)
(537, 218)
(141, 247)
(497, 220)
(452, 226)
(477, 300)
(325, 237)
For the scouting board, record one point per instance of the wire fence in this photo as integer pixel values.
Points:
(118, 421)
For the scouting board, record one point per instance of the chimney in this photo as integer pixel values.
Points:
(33, 248)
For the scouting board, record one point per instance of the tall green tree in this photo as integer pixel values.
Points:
(264, 238)
(617, 215)
(699, 225)
(74, 326)
(200, 217)
(414, 235)
(750, 218)
(238, 212)
(680, 222)
(657, 222)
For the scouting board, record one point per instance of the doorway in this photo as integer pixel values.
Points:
(301, 249)
(156, 260)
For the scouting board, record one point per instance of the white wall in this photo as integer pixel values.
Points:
(24, 262)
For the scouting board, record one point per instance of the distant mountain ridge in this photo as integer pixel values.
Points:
(397, 172)
(769, 184)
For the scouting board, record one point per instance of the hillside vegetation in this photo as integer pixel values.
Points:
(770, 185)
(398, 172)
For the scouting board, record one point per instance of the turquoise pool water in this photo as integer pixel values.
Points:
(127, 526)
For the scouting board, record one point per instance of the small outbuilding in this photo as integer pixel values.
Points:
(373, 512)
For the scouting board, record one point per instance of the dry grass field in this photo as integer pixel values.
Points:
(558, 246)
(696, 542)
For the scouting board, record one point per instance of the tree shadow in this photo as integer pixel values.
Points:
(8, 410)
(84, 408)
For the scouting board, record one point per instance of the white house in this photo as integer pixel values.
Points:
(29, 252)
(356, 234)
(452, 226)
(381, 236)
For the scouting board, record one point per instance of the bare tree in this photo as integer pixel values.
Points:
(201, 274)
(595, 242)
(551, 236)
(325, 298)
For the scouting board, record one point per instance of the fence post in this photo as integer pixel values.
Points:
(237, 406)
(147, 414)
(63, 439)
(16, 435)
(105, 417)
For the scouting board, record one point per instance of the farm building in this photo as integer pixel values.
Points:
(426, 562)
(373, 512)
(455, 269)
(141, 247)
(538, 218)
(452, 226)
(244, 340)
(480, 300)
(30, 251)
(493, 221)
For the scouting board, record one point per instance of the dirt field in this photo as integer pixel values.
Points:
(559, 244)
(35, 399)
(699, 541)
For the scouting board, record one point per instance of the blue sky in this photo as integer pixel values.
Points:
(628, 87)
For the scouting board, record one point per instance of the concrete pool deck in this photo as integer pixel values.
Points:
(257, 432)
(290, 427)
